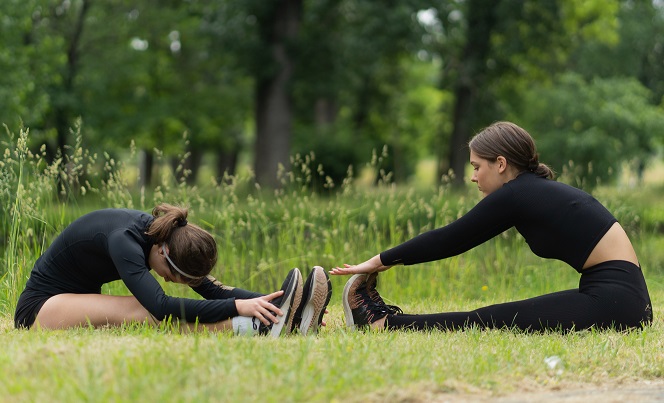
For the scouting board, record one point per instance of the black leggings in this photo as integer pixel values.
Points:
(610, 295)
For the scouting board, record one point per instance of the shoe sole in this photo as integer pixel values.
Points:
(297, 300)
(347, 311)
(291, 298)
(319, 295)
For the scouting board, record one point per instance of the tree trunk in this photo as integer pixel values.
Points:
(458, 153)
(63, 109)
(227, 162)
(325, 114)
(145, 168)
(273, 104)
(471, 78)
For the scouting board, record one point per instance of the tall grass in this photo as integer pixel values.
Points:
(263, 233)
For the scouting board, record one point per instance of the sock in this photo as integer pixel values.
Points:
(243, 326)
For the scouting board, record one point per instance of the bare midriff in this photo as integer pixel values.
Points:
(614, 245)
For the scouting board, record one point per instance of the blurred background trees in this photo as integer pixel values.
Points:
(257, 81)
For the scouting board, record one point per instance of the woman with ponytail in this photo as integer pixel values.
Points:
(557, 221)
(64, 288)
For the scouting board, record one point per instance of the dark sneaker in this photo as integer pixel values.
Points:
(316, 296)
(372, 284)
(362, 303)
(291, 297)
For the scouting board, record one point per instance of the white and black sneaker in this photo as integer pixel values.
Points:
(290, 299)
(316, 295)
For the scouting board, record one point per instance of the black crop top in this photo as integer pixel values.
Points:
(558, 221)
(111, 244)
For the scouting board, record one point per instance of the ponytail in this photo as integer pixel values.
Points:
(539, 168)
(191, 248)
(166, 219)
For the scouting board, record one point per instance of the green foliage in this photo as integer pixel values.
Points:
(366, 74)
(589, 130)
(30, 59)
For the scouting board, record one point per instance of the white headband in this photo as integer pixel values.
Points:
(163, 248)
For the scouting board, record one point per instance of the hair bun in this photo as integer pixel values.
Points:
(533, 164)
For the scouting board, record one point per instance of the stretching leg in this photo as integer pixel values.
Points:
(64, 311)
(610, 295)
(561, 311)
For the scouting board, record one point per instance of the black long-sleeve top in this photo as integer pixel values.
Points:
(557, 221)
(111, 244)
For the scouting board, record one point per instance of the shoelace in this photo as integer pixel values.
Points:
(377, 299)
(376, 307)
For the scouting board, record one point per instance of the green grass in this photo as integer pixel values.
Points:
(261, 235)
(143, 364)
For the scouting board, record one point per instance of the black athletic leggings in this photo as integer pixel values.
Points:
(610, 295)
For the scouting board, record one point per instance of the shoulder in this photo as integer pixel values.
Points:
(539, 192)
(127, 224)
(528, 182)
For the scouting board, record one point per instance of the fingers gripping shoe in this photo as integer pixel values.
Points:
(292, 288)
(316, 296)
(362, 303)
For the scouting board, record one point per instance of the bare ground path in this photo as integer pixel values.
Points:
(631, 391)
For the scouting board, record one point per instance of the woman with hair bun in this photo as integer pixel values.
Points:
(64, 287)
(557, 221)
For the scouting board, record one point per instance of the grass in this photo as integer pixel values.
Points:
(261, 235)
(143, 364)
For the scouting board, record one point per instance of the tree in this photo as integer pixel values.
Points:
(278, 24)
(490, 48)
(43, 45)
(590, 129)
(162, 71)
(356, 65)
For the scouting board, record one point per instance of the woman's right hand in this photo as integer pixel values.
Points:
(260, 308)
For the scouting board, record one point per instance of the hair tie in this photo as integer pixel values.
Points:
(181, 222)
(533, 163)
(163, 249)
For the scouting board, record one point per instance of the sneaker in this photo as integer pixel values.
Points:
(372, 284)
(362, 303)
(292, 288)
(317, 294)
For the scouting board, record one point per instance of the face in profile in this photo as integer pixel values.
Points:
(161, 266)
(488, 175)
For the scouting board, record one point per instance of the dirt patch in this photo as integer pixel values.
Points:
(632, 391)
(646, 391)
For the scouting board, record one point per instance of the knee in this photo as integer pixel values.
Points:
(141, 314)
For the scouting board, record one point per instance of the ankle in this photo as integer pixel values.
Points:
(379, 324)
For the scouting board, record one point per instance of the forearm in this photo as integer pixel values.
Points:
(193, 310)
(211, 288)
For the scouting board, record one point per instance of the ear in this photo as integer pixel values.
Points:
(502, 164)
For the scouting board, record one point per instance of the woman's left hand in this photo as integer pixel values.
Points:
(370, 266)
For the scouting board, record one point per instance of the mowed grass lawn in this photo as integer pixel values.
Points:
(145, 364)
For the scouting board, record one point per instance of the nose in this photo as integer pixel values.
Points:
(473, 178)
